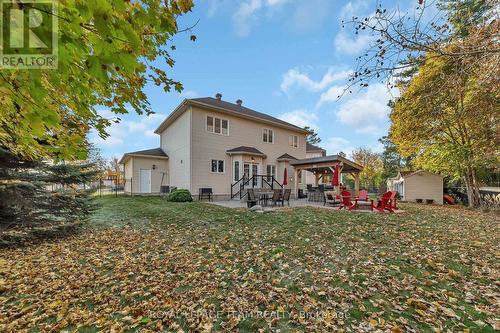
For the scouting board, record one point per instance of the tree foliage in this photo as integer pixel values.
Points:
(449, 120)
(108, 52)
(402, 41)
(37, 194)
(313, 137)
(371, 176)
(392, 160)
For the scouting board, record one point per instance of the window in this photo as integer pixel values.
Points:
(217, 125)
(271, 171)
(224, 126)
(299, 177)
(293, 140)
(268, 135)
(210, 124)
(236, 171)
(218, 166)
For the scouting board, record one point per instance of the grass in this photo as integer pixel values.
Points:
(143, 264)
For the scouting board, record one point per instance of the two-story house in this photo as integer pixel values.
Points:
(211, 143)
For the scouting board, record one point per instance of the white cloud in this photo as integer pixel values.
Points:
(334, 145)
(353, 45)
(301, 118)
(188, 94)
(367, 111)
(247, 13)
(331, 95)
(122, 132)
(295, 78)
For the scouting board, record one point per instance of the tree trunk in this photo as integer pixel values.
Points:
(472, 187)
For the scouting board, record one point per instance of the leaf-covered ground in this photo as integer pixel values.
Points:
(147, 265)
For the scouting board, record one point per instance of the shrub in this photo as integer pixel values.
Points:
(179, 195)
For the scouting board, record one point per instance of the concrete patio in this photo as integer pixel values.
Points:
(293, 204)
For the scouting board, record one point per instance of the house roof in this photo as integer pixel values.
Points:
(327, 161)
(155, 152)
(245, 150)
(226, 107)
(286, 157)
(311, 147)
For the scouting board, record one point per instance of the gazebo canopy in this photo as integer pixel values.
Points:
(325, 163)
(321, 166)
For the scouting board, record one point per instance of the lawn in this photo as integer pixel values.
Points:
(143, 264)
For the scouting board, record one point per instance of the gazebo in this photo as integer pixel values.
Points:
(320, 166)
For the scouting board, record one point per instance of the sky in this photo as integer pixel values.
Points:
(286, 58)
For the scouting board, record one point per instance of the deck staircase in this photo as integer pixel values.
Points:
(257, 182)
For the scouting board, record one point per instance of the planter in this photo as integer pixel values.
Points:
(429, 201)
(419, 200)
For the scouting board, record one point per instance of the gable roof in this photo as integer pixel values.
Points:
(245, 150)
(311, 147)
(229, 108)
(286, 157)
(154, 152)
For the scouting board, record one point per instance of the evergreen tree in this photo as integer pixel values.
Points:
(37, 194)
(313, 137)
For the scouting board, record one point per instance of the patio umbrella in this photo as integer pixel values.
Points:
(285, 177)
(335, 178)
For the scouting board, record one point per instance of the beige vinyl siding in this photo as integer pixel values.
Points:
(423, 185)
(242, 132)
(127, 172)
(176, 143)
(161, 167)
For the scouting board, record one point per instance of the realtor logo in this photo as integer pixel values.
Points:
(28, 38)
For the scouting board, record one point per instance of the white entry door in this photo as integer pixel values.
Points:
(145, 180)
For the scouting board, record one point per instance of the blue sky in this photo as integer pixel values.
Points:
(282, 57)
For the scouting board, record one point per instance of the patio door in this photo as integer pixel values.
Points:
(250, 170)
(145, 180)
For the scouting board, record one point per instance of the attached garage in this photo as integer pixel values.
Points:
(418, 185)
(145, 171)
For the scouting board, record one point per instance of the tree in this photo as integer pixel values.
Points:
(402, 41)
(371, 176)
(448, 119)
(313, 137)
(108, 52)
(392, 160)
(28, 199)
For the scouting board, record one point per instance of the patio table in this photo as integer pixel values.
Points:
(264, 197)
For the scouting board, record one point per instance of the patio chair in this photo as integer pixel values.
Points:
(386, 202)
(251, 200)
(286, 197)
(363, 195)
(276, 196)
(331, 198)
(346, 202)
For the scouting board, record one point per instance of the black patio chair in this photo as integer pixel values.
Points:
(251, 200)
(276, 197)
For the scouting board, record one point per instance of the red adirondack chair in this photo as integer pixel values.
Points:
(386, 202)
(346, 202)
(363, 195)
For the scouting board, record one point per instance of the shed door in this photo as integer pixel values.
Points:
(145, 180)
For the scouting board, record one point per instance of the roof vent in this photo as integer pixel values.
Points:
(218, 96)
(239, 102)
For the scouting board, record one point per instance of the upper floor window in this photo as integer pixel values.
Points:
(268, 135)
(293, 140)
(218, 166)
(217, 125)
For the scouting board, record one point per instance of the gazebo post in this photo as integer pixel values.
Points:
(356, 183)
(316, 178)
(295, 175)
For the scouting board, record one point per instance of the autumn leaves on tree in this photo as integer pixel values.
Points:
(446, 69)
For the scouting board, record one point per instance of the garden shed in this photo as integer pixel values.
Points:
(418, 185)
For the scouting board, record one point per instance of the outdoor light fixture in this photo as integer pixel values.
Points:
(252, 159)
(154, 166)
